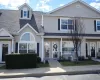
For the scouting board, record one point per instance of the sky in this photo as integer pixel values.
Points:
(42, 5)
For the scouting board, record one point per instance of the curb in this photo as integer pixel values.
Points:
(52, 74)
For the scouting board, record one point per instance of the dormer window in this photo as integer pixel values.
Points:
(25, 13)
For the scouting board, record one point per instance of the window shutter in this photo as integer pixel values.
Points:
(16, 47)
(28, 14)
(38, 49)
(21, 13)
(94, 25)
(58, 24)
(75, 23)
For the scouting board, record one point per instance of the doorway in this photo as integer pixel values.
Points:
(55, 49)
(4, 51)
(47, 49)
(92, 49)
(5, 48)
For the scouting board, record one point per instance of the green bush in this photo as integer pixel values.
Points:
(19, 61)
(81, 58)
(38, 59)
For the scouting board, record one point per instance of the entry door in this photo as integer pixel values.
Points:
(55, 49)
(4, 51)
(47, 49)
(92, 49)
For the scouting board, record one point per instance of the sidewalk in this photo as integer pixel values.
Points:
(38, 72)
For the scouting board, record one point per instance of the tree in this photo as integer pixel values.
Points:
(77, 35)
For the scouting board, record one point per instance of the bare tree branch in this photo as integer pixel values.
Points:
(76, 34)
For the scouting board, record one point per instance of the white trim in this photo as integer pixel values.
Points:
(67, 24)
(42, 57)
(27, 42)
(7, 32)
(25, 33)
(61, 46)
(42, 21)
(12, 45)
(57, 42)
(9, 48)
(18, 47)
(25, 4)
(96, 25)
(27, 25)
(74, 1)
(25, 10)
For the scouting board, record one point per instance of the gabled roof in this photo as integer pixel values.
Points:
(74, 1)
(31, 22)
(27, 25)
(5, 33)
(13, 23)
(25, 4)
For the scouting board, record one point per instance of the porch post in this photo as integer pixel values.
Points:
(61, 46)
(12, 45)
(42, 49)
(18, 47)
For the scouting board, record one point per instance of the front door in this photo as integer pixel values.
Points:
(47, 49)
(55, 49)
(92, 49)
(4, 51)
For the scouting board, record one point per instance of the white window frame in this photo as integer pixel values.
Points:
(25, 9)
(67, 26)
(27, 42)
(62, 46)
(97, 25)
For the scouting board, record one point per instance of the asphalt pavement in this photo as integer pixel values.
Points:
(60, 77)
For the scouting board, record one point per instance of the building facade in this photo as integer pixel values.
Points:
(48, 34)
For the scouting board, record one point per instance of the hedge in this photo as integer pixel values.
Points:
(19, 61)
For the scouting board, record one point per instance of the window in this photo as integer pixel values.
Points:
(67, 47)
(27, 43)
(98, 25)
(25, 13)
(66, 24)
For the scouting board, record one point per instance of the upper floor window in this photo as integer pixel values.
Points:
(25, 13)
(66, 24)
(98, 25)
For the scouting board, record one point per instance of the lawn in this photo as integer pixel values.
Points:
(3, 67)
(42, 65)
(80, 63)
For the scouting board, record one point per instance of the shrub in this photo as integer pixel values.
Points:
(19, 61)
(38, 59)
(89, 57)
(81, 58)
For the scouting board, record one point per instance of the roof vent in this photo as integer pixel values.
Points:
(78, 6)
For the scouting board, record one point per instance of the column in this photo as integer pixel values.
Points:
(12, 45)
(18, 47)
(61, 46)
(83, 48)
(42, 57)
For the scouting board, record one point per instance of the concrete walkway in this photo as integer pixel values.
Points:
(54, 63)
(94, 59)
(49, 71)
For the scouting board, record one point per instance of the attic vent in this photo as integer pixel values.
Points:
(78, 6)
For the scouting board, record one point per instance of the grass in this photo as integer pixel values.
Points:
(80, 63)
(43, 65)
(3, 67)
